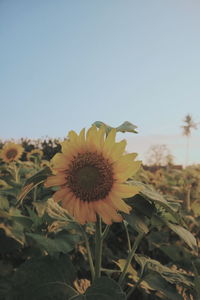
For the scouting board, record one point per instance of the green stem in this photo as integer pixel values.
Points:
(92, 271)
(130, 257)
(98, 248)
(128, 237)
(105, 232)
(35, 194)
(16, 173)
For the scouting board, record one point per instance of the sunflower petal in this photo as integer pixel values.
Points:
(55, 180)
(130, 171)
(59, 161)
(120, 205)
(60, 194)
(125, 190)
(109, 142)
(124, 161)
(118, 150)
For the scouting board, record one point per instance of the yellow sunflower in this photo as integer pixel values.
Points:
(11, 152)
(34, 153)
(91, 172)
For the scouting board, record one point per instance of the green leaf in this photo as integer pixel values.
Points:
(34, 181)
(149, 265)
(196, 208)
(178, 254)
(168, 291)
(184, 234)
(103, 288)
(127, 127)
(4, 204)
(99, 124)
(137, 221)
(149, 193)
(44, 278)
(39, 176)
(15, 231)
(142, 205)
(63, 242)
(197, 285)
(124, 127)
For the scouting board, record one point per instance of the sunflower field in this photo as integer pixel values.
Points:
(82, 219)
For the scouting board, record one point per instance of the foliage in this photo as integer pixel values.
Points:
(152, 254)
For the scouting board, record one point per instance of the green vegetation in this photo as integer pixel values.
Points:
(46, 254)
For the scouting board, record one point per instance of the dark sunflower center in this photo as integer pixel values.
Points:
(11, 153)
(90, 176)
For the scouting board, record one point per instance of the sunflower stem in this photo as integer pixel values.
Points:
(128, 237)
(16, 173)
(130, 257)
(92, 271)
(98, 248)
(105, 232)
(35, 194)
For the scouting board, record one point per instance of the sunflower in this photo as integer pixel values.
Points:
(91, 172)
(11, 152)
(35, 153)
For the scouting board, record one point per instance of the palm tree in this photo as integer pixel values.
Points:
(189, 124)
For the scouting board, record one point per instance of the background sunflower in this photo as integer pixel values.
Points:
(11, 152)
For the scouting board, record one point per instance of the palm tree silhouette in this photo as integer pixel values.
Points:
(189, 124)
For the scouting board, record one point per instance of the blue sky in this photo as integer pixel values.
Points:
(67, 63)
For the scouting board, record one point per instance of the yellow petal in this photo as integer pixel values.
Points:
(68, 203)
(118, 150)
(84, 211)
(82, 138)
(109, 142)
(130, 171)
(125, 190)
(120, 205)
(107, 212)
(73, 136)
(60, 194)
(123, 162)
(91, 137)
(92, 214)
(104, 215)
(100, 137)
(55, 180)
(60, 161)
(78, 212)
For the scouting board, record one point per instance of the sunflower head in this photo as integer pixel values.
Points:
(11, 152)
(91, 174)
(34, 154)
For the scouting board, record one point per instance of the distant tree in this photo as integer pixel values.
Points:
(189, 124)
(159, 155)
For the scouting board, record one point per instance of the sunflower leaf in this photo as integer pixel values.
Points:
(137, 221)
(33, 181)
(148, 193)
(63, 243)
(44, 278)
(124, 127)
(39, 176)
(127, 127)
(184, 234)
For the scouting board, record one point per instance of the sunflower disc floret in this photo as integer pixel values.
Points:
(91, 173)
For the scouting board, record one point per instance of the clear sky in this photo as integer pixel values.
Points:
(67, 63)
